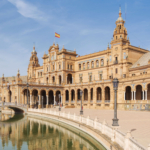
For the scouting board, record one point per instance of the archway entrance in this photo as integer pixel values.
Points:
(25, 99)
(85, 94)
(138, 92)
(99, 93)
(72, 95)
(128, 93)
(69, 79)
(57, 97)
(107, 93)
(10, 96)
(59, 80)
(91, 94)
(35, 98)
(78, 94)
(51, 97)
(43, 98)
(67, 95)
(148, 92)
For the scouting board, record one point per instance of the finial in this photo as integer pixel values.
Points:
(18, 71)
(108, 44)
(75, 50)
(44, 52)
(128, 38)
(119, 11)
(53, 43)
(63, 47)
(3, 75)
(33, 47)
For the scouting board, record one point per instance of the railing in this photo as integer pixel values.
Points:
(125, 141)
(5, 104)
(72, 101)
(116, 62)
(107, 101)
(99, 101)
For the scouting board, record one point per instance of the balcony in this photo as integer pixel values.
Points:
(99, 101)
(116, 62)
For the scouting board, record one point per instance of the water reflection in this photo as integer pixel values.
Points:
(34, 134)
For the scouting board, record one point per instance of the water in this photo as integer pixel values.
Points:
(31, 133)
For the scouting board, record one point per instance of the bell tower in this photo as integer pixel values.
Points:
(120, 32)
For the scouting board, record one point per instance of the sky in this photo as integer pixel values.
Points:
(84, 25)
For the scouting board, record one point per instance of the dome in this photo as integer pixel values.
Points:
(120, 19)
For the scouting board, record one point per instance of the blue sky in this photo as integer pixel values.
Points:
(84, 25)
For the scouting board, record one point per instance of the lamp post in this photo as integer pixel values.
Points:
(115, 86)
(81, 111)
(27, 93)
(59, 102)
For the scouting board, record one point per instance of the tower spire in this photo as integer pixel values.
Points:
(120, 12)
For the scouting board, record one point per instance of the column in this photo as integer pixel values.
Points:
(61, 99)
(69, 97)
(66, 79)
(54, 100)
(131, 95)
(47, 101)
(39, 101)
(134, 95)
(124, 95)
(30, 100)
(89, 97)
(145, 94)
(72, 80)
(22, 99)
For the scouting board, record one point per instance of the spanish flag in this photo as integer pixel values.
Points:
(57, 35)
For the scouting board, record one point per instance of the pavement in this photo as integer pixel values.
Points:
(136, 121)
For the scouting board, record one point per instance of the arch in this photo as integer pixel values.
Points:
(138, 92)
(97, 63)
(91, 91)
(78, 94)
(102, 62)
(72, 95)
(107, 93)
(85, 94)
(92, 64)
(43, 98)
(69, 78)
(51, 97)
(59, 79)
(46, 79)
(35, 97)
(148, 91)
(99, 93)
(43, 89)
(58, 100)
(67, 95)
(79, 66)
(128, 93)
(88, 65)
(26, 94)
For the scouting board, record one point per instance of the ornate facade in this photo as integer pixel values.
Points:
(66, 73)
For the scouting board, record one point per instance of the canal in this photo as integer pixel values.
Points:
(19, 132)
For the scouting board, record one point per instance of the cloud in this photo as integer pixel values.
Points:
(28, 10)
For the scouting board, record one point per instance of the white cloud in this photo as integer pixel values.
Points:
(28, 10)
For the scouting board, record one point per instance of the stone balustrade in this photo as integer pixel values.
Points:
(127, 142)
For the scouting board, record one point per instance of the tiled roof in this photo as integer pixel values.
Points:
(142, 61)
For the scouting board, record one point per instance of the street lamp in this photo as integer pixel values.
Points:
(81, 111)
(59, 102)
(27, 93)
(115, 86)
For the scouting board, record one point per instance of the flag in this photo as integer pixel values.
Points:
(57, 35)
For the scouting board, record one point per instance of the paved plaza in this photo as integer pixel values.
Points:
(137, 121)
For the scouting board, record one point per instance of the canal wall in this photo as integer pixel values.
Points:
(111, 138)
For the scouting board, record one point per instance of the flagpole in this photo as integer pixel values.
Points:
(54, 37)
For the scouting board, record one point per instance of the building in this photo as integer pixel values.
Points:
(64, 72)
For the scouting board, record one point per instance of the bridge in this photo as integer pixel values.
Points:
(14, 106)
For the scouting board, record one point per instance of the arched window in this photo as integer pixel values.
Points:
(79, 66)
(88, 65)
(70, 67)
(97, 63)
(116, 37)
(102, 62)
(59, 66)
(83, 65)
(53, 79)
(92, 64)
(47, 69)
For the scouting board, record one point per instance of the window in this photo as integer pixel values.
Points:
(68, 66)
(92, 64)
(110, 58)
(79, 66)
(97, 63)
(53, 67)
(120, 26)
(90, 78)
(124, 55)
(47, 69)
(116, 37)
(124, 75)
(88, 65)
(116, 70)
(102, 62)
(83, 65)
(59, 66)
(80, 79)
(100, 76)
(71, 67)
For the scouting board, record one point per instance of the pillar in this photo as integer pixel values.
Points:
(47, 101)
(69, 97)
(103, 98)
(89, 97)
(39, 101)
(54, 100)
(145, 94)
(30, 100)
(61, 99)
(134, 95)
(124, 95)
(72, 80)
(22, 99)
(131, 95)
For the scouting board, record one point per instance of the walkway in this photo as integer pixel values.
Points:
(137, 121)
